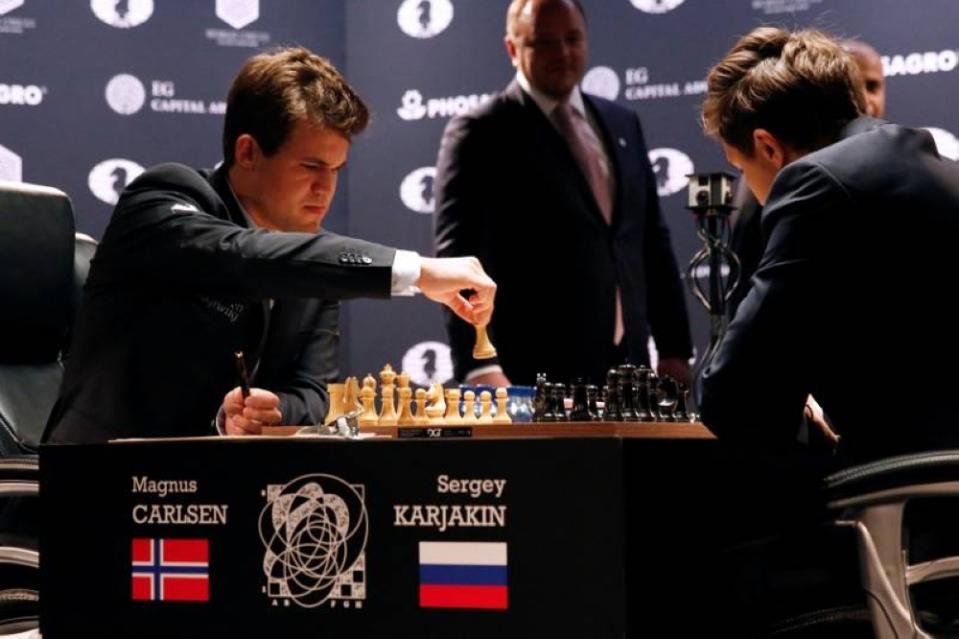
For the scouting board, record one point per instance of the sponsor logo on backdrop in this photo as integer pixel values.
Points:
(14, 24)
(460, 574)
(108, 178)
(314, 531)
(416, 190)
(671, 168)
(122, 14)
(918, 63)
(6, 6)
(21, 94)
(429, 363)
(171, 569)
(639, 87)
(413, 106)
(656, 6)
(238, 14)
(601, 81)
(946, 142)
(424, 18)
(125, 94)
(770, 7)
(11, 165)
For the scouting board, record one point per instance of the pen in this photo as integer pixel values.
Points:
(244, 377)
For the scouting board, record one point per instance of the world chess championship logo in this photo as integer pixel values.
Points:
(125, 94)
(314, 531)
(109, 178)
(424, 18)
(6, 6)
(429, 363)
(416, 190)
(656, 6)
(601, 81)
(11, 165)
(122, 14)
(672, 169)
(946, 142)
(238, 13)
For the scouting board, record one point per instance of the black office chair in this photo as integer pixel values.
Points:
(43, 265)
(904, 512)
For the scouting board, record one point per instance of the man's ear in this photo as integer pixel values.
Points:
(769, 149)
(246, 151)
(511, 49)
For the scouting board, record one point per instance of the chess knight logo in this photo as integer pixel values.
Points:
(314, 531)
(238, 13)
(671, 168)
(946, 142)
(416, 190)
(122, 14)
(108, 178)
(429, 363)
(11, 166)
(424, 18)
(601, 81)
(125, 94)
(6, 6)
(656, 6)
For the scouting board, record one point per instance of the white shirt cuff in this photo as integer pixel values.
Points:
(406, 272)
(482, 370)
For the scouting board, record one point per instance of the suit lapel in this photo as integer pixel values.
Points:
(554, 152)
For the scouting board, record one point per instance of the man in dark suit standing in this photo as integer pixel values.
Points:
(852, 296)
(553, 191)
(197, 265)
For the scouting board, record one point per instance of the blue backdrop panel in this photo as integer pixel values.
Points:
(166, 66)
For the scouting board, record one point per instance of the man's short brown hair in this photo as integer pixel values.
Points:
(277, 88)
(800, 86)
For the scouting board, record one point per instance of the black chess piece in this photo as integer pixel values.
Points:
(667, 395)
(642, 394)
(682, 398)
(559, 403)
(540, 398)
(652, 397)
(580, 411)
(627, 395)
(591, 408)
(613, 410)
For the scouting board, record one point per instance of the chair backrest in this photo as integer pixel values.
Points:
(39, 255)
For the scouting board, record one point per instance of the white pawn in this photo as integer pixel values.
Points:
(469, 404)
(486, 403)
(453, 407)
(406, 415)
(420, 419)
(502, 413)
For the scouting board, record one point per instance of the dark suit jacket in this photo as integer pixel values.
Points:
(510, 192)
(178, 284)
(852, 302)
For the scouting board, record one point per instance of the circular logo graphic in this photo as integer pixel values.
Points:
(671, 168)
(429, 363)
(416, 190)
(108, 178)
(314, 531)
(412, 105)
(125, 94)
(656, 6)
(11, 165)
(601, 81)
(946, 142)
(424, 18)
(122, 14)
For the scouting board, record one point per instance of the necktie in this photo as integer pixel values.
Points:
(584, 147)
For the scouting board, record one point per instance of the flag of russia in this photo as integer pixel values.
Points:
(463, 575)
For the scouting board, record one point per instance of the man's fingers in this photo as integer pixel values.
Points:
(462, 307)
(260, 398)
(262, 415)
(241, 426)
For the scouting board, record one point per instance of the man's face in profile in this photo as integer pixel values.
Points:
(874, 81)
(550, 46)
(292, 189)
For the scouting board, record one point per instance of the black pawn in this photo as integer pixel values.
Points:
(559, 403)
(580, 412)
(591, 393)
(614, 411)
